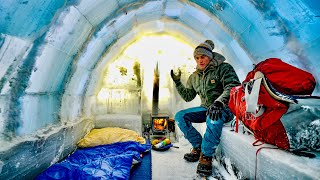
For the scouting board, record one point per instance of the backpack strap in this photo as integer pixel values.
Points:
(304, 153)
(256, 162)
(252, 97)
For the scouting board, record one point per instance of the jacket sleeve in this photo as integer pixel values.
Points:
(229, 80)
(187, 93)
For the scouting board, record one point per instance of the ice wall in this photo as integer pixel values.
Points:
(52, 54)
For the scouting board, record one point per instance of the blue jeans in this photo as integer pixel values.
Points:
(211, 139)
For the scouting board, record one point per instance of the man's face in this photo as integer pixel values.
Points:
(202, 61)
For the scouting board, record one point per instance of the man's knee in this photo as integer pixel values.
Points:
(179, 116)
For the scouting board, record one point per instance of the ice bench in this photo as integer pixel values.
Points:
(237, 149)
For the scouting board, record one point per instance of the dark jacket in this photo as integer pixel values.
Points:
(211, 84)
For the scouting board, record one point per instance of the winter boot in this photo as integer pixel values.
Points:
(204, 167)
(194, 155)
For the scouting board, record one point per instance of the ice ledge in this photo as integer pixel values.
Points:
(271, 163)
(127, 121)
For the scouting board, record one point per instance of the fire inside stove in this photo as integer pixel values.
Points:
(159, 123)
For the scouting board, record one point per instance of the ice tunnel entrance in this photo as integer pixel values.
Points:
(127, 79)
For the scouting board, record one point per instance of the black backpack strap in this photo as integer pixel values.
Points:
(303, 153)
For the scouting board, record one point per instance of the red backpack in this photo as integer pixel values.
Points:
(267, 104)
(284, 77)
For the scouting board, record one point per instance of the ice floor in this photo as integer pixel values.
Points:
(170, 165)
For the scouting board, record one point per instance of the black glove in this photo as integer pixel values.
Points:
(175, 78)
(215, 111)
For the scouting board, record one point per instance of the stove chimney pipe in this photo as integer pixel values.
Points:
(155, 92)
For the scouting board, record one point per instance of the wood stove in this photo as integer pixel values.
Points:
(159, 123)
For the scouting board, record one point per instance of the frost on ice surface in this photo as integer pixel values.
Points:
(302, 124)
(309, 137)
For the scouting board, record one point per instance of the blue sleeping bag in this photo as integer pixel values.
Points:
(112, 161)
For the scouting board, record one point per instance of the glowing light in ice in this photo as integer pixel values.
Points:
(168, 51)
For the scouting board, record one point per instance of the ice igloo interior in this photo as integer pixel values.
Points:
(55, 58)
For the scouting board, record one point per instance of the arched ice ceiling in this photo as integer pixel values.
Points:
(52, 53)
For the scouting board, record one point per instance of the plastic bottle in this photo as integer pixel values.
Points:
(163, 143)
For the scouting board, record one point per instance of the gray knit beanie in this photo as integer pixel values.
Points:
(204, 48)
